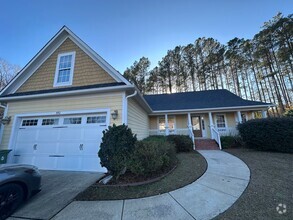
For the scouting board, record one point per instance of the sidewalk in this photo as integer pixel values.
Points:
(222, 184)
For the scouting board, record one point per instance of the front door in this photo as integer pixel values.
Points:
(196, 126)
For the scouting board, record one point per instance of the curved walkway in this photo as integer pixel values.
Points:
(221, 185)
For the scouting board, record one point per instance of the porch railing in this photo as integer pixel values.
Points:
(181, 131)
(228, 131)
(216, 136)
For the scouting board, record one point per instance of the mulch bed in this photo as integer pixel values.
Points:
(190, 167)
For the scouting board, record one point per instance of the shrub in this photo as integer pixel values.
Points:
(289, 113)
(231, 141)
(156, 138)
(183, 143)
(151, 156)
(116, 147)
(274, 134)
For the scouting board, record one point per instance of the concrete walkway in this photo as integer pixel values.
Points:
(222, 184)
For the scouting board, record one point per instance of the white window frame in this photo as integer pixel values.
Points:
(172, 131)
(69, 83)
(225, 118)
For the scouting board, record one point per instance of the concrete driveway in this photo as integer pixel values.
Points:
(58, 190)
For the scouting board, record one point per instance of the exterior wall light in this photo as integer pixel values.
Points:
(6, 120)
(114, 114)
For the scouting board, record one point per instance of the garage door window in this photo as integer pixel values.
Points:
(30, 122)
(50, 121)
(72, 121)
(96, 119)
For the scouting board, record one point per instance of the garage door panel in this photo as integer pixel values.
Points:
(69, 163)
(24, 159)
(26, 135)
(92, 133)
(71, 148)
(48, 135)
(93, 163)
(24, 148)
(45, 162)
(46, 148)
(70, 134)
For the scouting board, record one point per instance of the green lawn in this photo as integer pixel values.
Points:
(271, 183)
(190, 167)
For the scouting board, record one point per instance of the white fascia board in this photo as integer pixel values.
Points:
(253, 107)
(66, 93)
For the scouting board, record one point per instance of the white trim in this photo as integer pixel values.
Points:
(69, 83)
(73, 92)
(215, 120)
(19, 117)
(203, 110)
(124, 109)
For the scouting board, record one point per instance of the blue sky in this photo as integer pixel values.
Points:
(122, 31)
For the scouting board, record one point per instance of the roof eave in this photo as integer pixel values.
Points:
(253, 107)
(68, 93)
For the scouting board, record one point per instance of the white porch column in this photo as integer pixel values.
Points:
(211, 124)
(264, 114)
(189, 120)
(166, 125)
(252, 115)
(239, 117)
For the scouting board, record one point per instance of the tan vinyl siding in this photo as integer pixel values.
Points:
(181, 121)
(138, 119)
(153, 122)
(86, 70)
(82, 102)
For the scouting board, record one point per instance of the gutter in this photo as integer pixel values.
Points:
(66, 93)
(126, 106)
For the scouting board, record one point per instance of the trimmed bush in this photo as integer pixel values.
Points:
(231, 141)
(271, 134)
(116, 147)
(183, 143)
(150, 157)
(156, 138)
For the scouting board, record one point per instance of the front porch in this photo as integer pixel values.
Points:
(205, 125)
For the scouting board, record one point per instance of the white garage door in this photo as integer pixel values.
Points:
(61, 143)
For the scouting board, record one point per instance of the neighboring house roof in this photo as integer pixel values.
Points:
(48, 49)
(209, 99)
(66, 89)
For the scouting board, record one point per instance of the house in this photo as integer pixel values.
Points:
(57, 106)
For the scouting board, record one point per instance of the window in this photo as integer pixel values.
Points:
(29, 122)
(243, 117)
(64, 69)
(171, 124)
(72, 121)
(50, 121)
(96, 119)
(220, 121)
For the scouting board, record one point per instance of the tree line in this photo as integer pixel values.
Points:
(258, 69)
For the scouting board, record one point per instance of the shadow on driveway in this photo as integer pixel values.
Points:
(58, 189)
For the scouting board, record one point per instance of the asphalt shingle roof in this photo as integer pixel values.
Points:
(198, 100)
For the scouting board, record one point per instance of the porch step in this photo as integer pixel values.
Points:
(206, 144)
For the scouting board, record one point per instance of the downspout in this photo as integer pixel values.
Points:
(126, 107)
